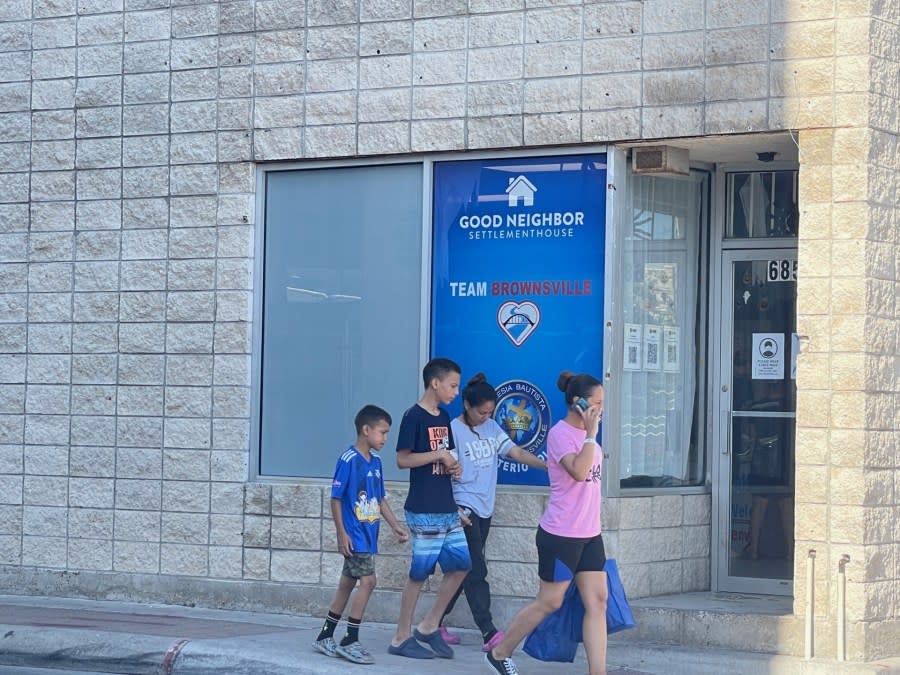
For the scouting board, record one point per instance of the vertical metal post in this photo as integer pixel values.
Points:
(842, 608)
(809, 641)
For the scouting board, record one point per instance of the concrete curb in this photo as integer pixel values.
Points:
(280, 653)
(99, 651)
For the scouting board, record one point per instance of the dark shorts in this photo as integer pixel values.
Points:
(561, 558)
(359, 565)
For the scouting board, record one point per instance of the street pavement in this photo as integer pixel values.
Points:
(19, 670)
(86, 636)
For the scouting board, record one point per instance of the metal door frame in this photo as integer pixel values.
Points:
(721, 407)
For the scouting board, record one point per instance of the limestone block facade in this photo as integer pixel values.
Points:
(131, 132)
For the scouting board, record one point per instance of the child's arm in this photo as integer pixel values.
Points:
(389, 516)
(407, 440)
(517, 454)
(345, 548)
(456, 470)
(407, 459)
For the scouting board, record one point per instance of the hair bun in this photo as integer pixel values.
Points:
(564, 378)
(478, 377)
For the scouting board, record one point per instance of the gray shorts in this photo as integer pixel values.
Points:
(359, 565)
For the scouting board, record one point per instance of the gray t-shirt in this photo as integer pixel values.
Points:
(478, 454)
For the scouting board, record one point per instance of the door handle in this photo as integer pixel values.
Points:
(726, 418)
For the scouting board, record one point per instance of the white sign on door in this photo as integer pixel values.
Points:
(768, 356)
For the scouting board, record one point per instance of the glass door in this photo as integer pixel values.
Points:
(757, 409)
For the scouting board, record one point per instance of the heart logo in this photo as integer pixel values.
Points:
(518, 320)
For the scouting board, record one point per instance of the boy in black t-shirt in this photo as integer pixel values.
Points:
(424, 446)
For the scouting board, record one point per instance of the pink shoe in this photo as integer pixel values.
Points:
(493, 642)
(449, 637)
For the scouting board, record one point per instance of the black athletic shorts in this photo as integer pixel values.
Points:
(561, 558)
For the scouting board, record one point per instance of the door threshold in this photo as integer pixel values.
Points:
(728, 603)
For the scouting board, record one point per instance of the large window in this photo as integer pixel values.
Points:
(657, 423)
(341, 310)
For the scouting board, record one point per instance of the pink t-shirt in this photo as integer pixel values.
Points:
(574, 506)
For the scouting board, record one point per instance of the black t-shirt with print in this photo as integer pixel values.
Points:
(430, 487)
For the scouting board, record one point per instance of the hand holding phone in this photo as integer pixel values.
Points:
(589, 414)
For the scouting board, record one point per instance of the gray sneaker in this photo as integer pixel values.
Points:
(326, 646)
(355, 652)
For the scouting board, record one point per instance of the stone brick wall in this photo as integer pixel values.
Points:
(128, 132)
(129, 135)
(847, 440)
(879, 581)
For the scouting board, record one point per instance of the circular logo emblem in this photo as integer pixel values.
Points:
(768, 348)
(523, 413)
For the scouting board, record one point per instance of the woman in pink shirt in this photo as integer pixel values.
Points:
(568, 539)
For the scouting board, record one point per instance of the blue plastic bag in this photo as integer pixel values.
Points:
(618, 611)
(556, 638)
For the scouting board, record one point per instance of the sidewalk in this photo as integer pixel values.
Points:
(123, 637)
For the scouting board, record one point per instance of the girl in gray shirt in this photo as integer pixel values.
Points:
(481, 442)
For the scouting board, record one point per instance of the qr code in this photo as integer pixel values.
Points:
(652, 353)
(632, 355)
(670, 354)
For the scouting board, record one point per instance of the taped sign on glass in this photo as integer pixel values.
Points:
(768, 356)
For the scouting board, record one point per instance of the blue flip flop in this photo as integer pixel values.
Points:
(411, 650)
(436, 642)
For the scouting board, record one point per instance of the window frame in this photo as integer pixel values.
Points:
(617, 211)
(255, 428)
(427, 162)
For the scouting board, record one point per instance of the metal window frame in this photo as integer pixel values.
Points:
(427, 161)
(613, 343)
(259, 258)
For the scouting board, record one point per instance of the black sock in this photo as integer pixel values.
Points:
(331, 622)
(352, 631)
(486, 637)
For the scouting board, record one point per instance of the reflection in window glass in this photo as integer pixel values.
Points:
(658, 416)
(341, 309)
(762, 204)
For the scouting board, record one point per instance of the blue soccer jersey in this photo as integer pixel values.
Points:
(359, 485)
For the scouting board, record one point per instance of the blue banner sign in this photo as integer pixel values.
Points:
(517, 286)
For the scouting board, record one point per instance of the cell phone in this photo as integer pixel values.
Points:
(581, 403)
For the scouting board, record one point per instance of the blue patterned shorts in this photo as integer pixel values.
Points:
(437, 539)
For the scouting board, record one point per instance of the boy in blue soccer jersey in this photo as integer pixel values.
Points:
(357, 505)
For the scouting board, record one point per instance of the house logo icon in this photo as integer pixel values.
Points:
(520, 188)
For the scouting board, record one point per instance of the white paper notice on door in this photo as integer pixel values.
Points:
(671, 356)
(632, 346)
(652, 347)
(768, 356)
